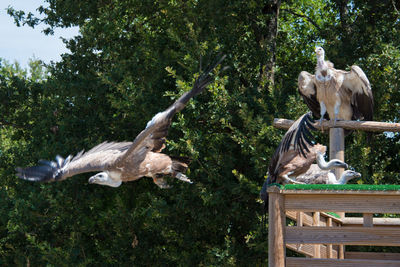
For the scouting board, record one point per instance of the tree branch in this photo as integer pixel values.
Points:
(302, 16)
(4, 124)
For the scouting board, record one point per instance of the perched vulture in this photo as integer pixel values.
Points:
(315, 175)
(125, 161)
(295, 154)
(345, 95)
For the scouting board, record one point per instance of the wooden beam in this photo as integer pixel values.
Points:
(371, 126)
(370, 236)
(343, 193)
(308, 250)
(373, 256)
(303, 262)
(378, 222)
(349, 203)
(276, 228)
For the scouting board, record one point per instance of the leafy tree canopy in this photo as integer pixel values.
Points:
(131, 60)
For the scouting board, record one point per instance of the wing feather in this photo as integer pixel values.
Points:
(362, 99)
(153, 136)
(307, 89)
(98, 158)
(297, 139)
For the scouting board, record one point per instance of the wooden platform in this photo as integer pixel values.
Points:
(321, 237)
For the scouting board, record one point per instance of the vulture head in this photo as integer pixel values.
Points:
(319, 51)
(104, 178)
(348, 175)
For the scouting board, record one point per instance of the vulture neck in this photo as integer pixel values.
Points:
(322, 164)
(321, 64)
(344, 178)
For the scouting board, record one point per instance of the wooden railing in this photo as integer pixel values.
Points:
(322, 237)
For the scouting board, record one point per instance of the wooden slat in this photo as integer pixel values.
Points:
(317, 248)
(309, 262)
(344, 193)
(307, 218)
(329, 246)
(373, 256)
(357, 221)
(387, 236)
(308, 250)
(299, 218)
(349, 203)
(371, 126)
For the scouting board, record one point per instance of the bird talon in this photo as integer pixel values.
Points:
(183, 178)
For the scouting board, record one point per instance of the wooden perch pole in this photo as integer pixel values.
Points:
(369, 126)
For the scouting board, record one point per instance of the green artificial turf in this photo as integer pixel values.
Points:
(357, 187)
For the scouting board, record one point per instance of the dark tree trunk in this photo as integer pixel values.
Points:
(267, 40)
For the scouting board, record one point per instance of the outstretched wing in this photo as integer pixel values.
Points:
(362, 99)
(297, 139)
(153, 137)
(99, 158)
(308, 91)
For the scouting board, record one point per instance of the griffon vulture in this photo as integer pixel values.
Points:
(345, 95)
(295, 154)
(125, 161)
(315, 175)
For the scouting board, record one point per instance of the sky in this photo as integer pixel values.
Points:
(23, 43)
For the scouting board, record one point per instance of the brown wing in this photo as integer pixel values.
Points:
(362, 100)
(296, 141)
(153, 137)
(308, 90)
(99, 158)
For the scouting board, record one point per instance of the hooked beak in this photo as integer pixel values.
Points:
(92, 180)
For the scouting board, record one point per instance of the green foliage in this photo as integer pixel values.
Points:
(130, 61)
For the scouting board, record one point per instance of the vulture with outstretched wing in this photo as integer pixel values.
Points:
(295, 154)
(344, 95)
(125, 161)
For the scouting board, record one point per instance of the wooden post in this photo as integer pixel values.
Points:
(299, 220)
(336, 151)
(317, 247)
(276, 228)
(336, 147)
(329, 251)
(368, 219)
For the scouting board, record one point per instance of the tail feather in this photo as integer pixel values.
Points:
(180, 164)
(264, 194)
(46, 171)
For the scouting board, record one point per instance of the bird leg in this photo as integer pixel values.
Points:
(336, 111)
(161, 182)
(182, 177)
(322, 113)
(289, 180)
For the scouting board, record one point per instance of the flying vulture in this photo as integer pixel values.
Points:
(295, 154)
(125, 161)
(344, 95)
(315, 175)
